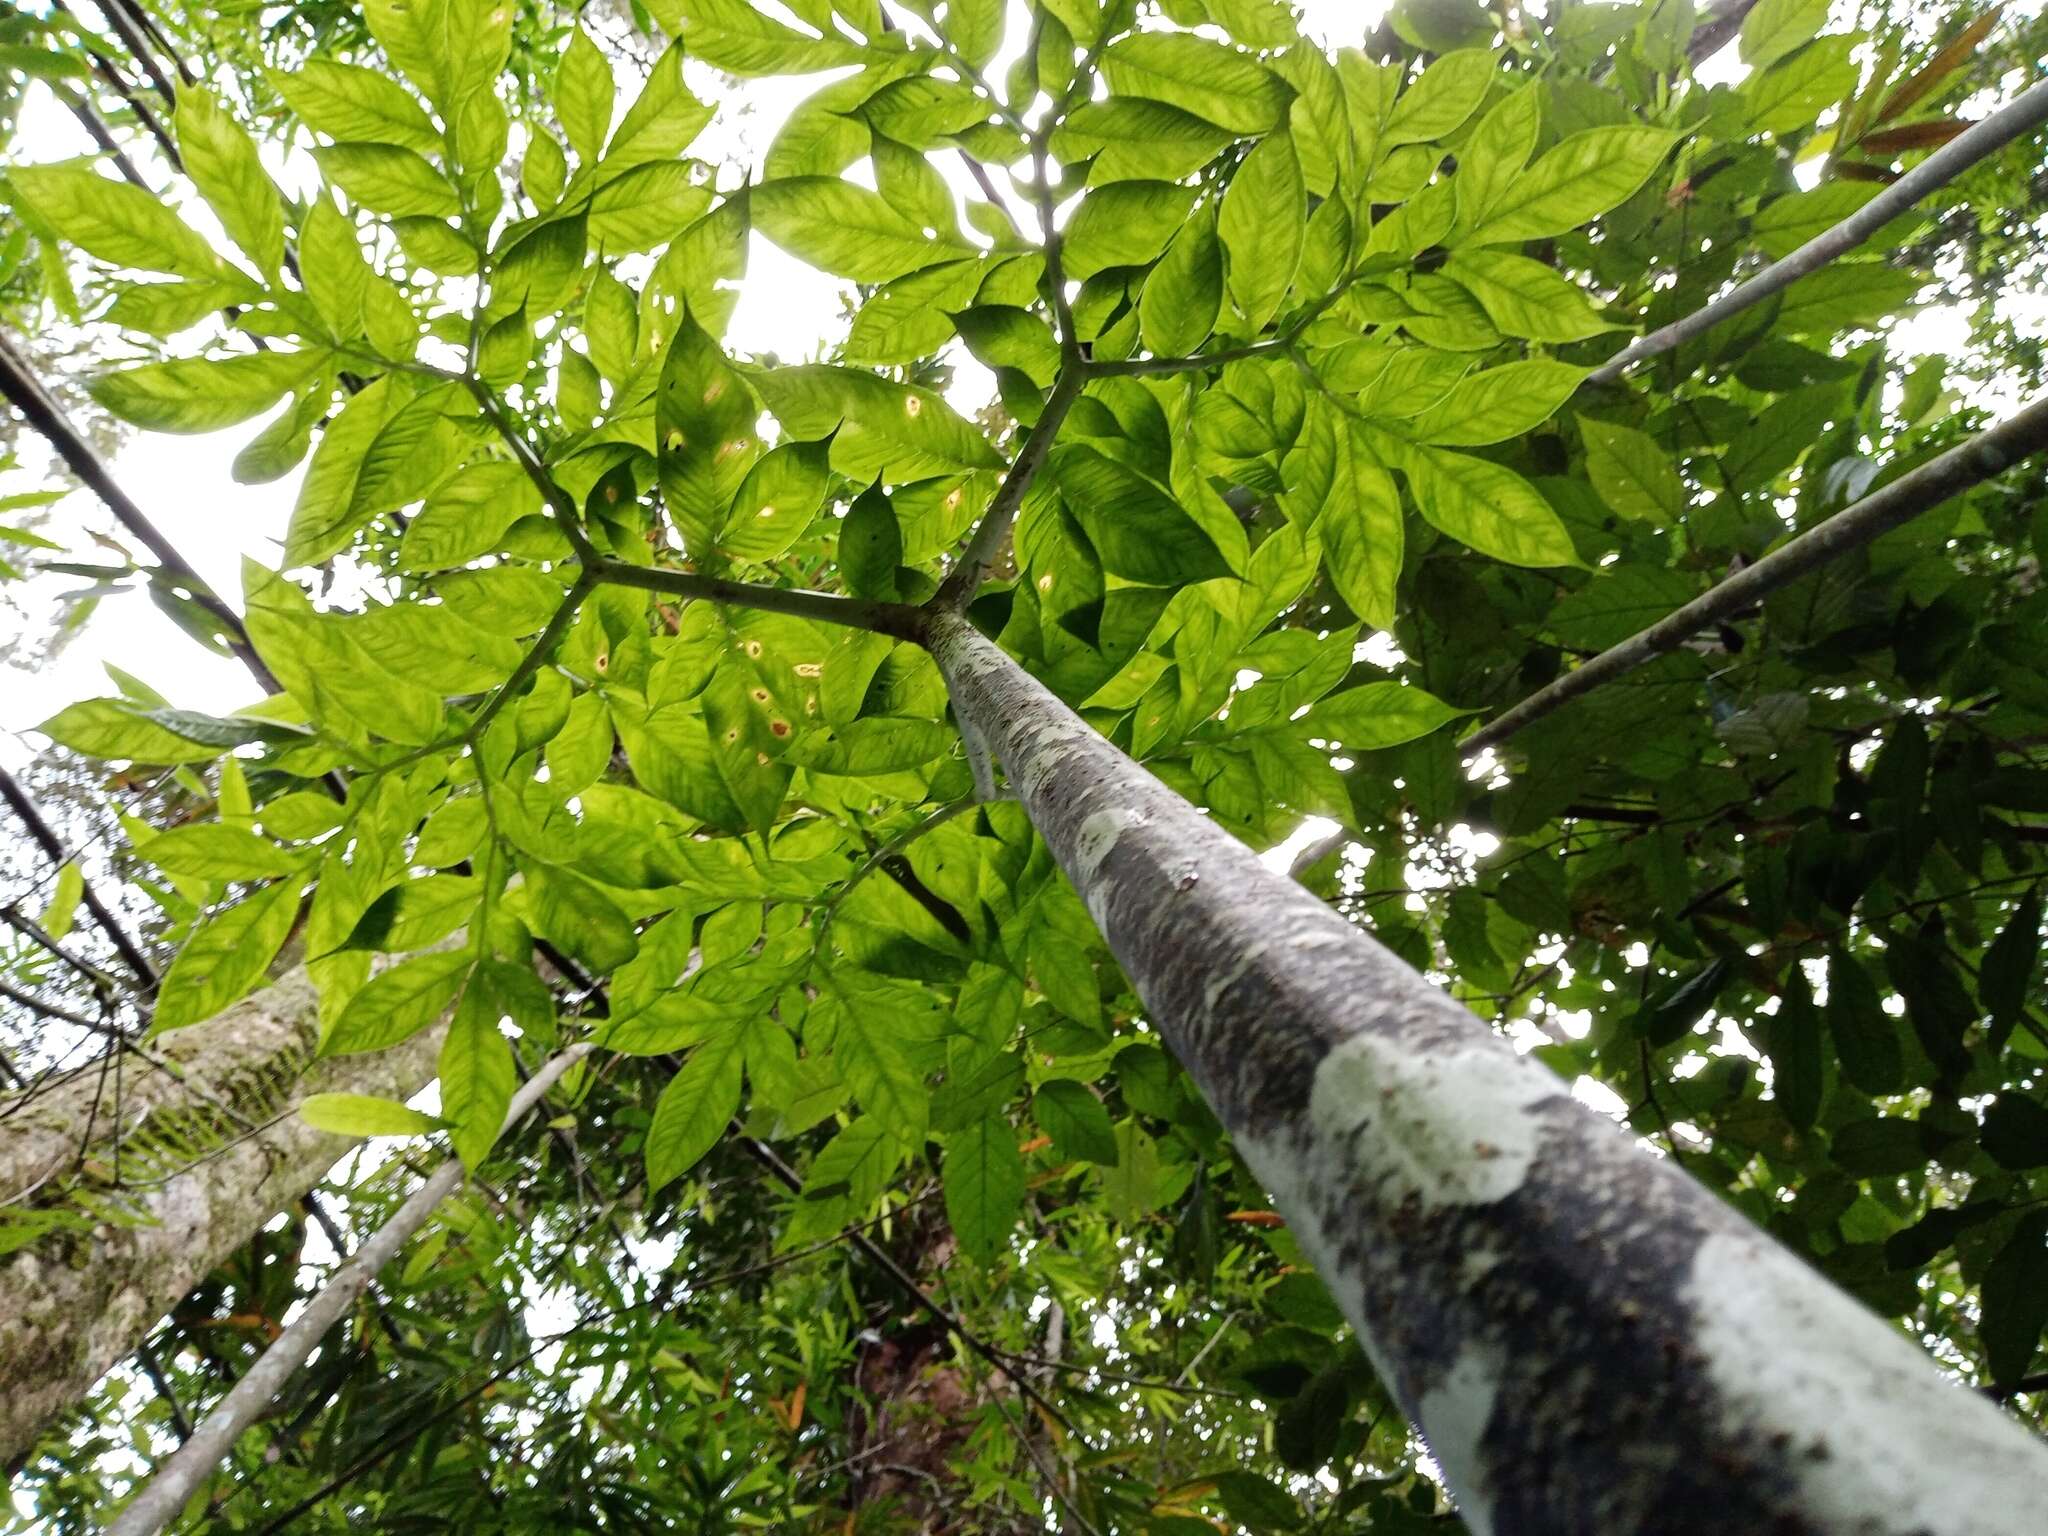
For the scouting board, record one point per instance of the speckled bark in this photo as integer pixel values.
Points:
(1591, 1342)
(73, 1304)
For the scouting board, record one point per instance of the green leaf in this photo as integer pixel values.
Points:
(1217, 84)
(1124, 225)
(201, 394)
(1132, 139)
(221, 160)
(846, 1178)
(648, 206)
(975, 28)
(585, 96)
(1491, 509)
(1524, 298)
(1791, 94)
(1183, 295)
(60, 912)
(579, 917)
(983, 1177)
(1777, 27)
(361, 1114)
(216, 851)
(110, 728)
(2016, 1132)
(704, 430)
(1262, 224)
(1005, 336)
(467, 516)
(845, 229)
(1632, 473)
(1376, 715)
(1139, 531)
(356, 105)
(1498, 403)
(397, 1004)
(875, 425)
(870, 546)
(388, 179)
(164, 309)
(1448, 92)
(1674, 1008)
(1491, 159)
(328, 671)
(1076, 1121)
(2014, 1308)
(332, 269)
(874, 744)
(416, 914)
(1361, 526)
(2006, 979)
(1578, 180)
(323, 522)
(663, 119)
(301, 815)
(869, 1050)
(435, 245)
(1792, 1039)
(115, 222)
(777, 502)
(731, 35)
(1866, 1037)
(1785, 223)
(225, 958)
(695, 1106)
(1851, 295)
(276, 450)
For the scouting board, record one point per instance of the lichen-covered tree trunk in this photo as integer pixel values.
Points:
(210, 1147)
(1591, 1342)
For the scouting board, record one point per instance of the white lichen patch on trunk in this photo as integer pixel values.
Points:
(1802, 1368)
(1446, 1129)
(1093, 845)
(1454, 1414)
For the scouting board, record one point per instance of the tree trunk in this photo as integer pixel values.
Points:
(1590, 1340)
(210, 1146)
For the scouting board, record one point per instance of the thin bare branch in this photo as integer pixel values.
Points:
(2025, 113)
(46, 839)
(165, 1494)
(1921, 490)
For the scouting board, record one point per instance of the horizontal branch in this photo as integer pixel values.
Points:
(1975, 143)
(1989, 453)
(896, 619)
